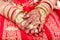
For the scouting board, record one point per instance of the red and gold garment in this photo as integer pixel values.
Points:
(9, 30)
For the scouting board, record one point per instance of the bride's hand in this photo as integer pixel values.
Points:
(31, 22)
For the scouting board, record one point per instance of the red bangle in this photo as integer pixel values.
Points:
(12, 10)
(5, 14)
(2, 7)
(15, 13)
(8, 11)
(6, 4)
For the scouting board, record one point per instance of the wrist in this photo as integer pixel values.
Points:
(44, 11)
(9, 11)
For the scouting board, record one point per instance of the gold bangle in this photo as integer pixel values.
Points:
(2, 6)
(44, 7)
(19, 17)
(47, 8)
(11, 12)
(16, 12)
(49, 3)
(43, 14)
(44, 11)
(6, 12)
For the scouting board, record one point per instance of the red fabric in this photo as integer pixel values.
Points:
(51, 26)
(1, 26)
(57, 12)
(23, 34)
(28, 5)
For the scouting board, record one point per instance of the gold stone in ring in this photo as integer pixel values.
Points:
(31, 26)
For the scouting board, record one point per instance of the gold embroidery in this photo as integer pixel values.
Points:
(10, 32)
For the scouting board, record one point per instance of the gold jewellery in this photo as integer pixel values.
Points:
(45, 8)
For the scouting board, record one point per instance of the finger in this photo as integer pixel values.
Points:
(26, 22)
(35, 22)
(29, 14)
(26, 16)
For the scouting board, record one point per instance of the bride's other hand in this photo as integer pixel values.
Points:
(31, 22)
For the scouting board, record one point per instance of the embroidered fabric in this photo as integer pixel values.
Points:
(10, 31)
(51, 30)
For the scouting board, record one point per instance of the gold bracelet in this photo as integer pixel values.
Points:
(44, 9)
(43, 14)
(19, 17)
(49, 3)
